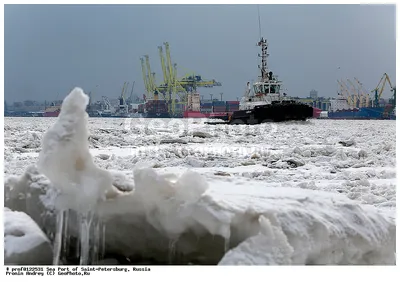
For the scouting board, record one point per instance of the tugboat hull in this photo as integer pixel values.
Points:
(275, 112)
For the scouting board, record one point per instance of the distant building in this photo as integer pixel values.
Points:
(314, 94)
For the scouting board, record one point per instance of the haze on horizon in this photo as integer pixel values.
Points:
(49, 49)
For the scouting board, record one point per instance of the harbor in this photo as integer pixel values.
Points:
(181, 97)
(140, 136)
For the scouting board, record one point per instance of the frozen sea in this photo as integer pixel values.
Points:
(364, 171)
(243, 166)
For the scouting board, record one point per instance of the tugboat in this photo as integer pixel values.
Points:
(266, 103)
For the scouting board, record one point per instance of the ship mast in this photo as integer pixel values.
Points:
(264, 54)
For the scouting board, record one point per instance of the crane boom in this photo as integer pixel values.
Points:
(146, 83)
(356, 97)
(133, 85)
(149, 74)
(345, 88)
(171, 88)
(169, 63)
(385, 78)
(123, 91)
(365, 93)
(164, 69)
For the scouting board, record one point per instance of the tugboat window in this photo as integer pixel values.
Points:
(266, 89)
(257, 89)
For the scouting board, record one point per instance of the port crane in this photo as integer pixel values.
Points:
(123, 107)
(173, 89)
(364, 94)
(107, 105)
(379, 90)
(356, 96)
(130, 99)
(344, 89)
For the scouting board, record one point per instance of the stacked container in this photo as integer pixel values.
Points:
(232, 106)
(156, 106)
(179, 108)
(219, 106)
(206, 107)
(141, 108)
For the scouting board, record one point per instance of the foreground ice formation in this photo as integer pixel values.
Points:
(170, 217)
(66, 161)
(24, 242)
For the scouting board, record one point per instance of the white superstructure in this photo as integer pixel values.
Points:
(266, 89)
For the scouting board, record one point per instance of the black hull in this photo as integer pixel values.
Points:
(275, 112)
(156, 115)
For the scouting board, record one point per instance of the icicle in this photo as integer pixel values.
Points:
(85, 222)
(58, 238)
(78, 244)
(96, 239)
(65, 234)
(103, 240)
(226, 246)
(172, 249)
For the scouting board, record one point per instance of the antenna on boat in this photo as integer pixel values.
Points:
(259, 21)
(264, 53)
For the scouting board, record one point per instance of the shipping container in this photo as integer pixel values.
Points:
(219, 103)
(232, 102)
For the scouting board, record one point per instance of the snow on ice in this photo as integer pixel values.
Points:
(24, 242)
(315, 192)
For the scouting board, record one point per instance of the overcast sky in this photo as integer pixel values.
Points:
(51, 48)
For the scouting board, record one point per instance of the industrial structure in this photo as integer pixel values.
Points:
(175, 91)
(356, 96)
(379, 90)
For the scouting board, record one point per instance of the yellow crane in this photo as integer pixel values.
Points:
(163, 67)
(365, 95)
(145, 81)
(344, 90)
(121, 99)
(171, 77)
(356, 97)
(149, 73)
(385, 78)
(173, 89)
(150, 79)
